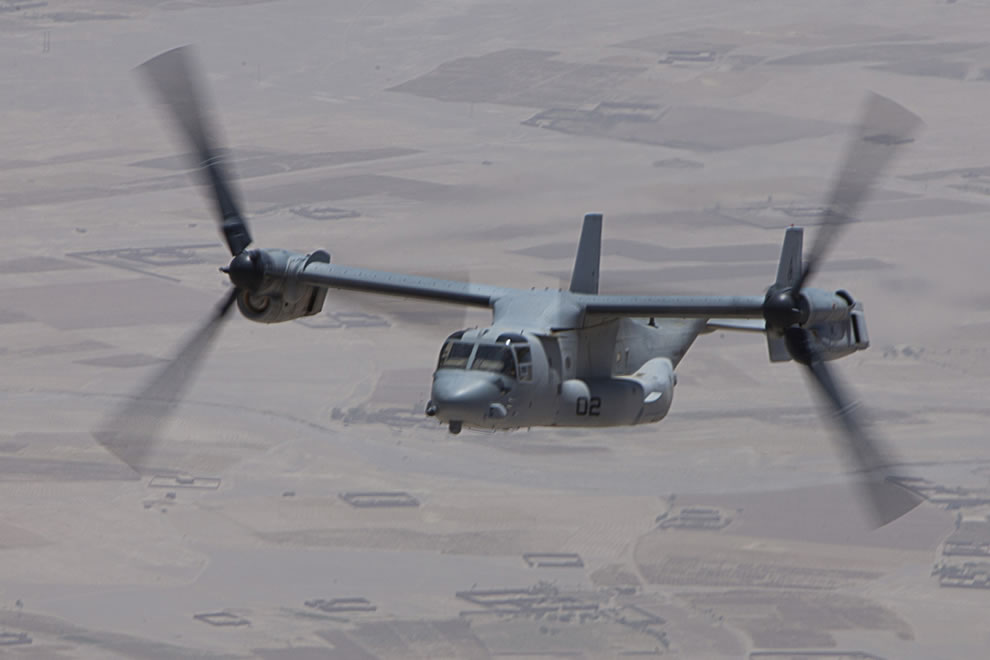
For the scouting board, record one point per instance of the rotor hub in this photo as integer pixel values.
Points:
(247, 271)
(781, 309)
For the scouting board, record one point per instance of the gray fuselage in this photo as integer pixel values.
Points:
(616, 372)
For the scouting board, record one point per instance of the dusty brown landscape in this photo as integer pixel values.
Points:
(326, 516)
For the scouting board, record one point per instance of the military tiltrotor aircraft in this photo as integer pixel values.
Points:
(571, 357)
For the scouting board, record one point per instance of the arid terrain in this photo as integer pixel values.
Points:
(327, 517)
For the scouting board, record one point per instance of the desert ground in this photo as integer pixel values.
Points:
(321, 514)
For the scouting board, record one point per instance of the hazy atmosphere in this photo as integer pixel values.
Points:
(307, 508)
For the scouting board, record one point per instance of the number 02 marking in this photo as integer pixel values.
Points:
(592, 407)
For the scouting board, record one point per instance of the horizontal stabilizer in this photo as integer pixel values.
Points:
(736, 325)
(777, 346)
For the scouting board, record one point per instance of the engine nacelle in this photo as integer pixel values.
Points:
(839, 329)
(818, 306)
(278, 296)
(275, 307)
(840, 338)
(641, 398)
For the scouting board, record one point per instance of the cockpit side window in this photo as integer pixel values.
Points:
(495, 358)
(454, 355)
(524, 356)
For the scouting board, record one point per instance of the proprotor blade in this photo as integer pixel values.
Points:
(886, 500)
(172, 75)
(131, 433)
(884, 128)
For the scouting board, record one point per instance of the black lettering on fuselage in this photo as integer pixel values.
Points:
(588, 407)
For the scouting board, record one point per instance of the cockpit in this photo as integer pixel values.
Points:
(509, 354)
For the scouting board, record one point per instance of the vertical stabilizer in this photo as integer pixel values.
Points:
(585, 276)
(788, 273)
(790, 266)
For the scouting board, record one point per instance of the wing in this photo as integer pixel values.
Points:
(700, 307)
(334, 276)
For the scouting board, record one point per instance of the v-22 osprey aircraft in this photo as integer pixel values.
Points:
(572, 357)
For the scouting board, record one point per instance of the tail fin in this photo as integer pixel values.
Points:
(790, 266)
(788, 273)
(584, 279)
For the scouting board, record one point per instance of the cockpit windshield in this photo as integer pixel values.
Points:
(497, 358)
(455, 354)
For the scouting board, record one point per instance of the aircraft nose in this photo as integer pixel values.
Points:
(463, 395)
